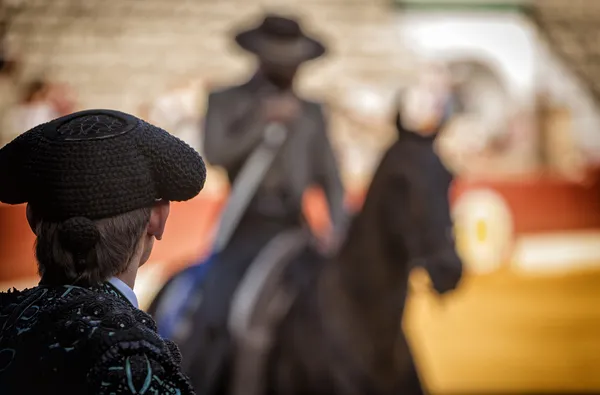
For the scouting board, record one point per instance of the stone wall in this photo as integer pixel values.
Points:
(129, 54)
(120, 53)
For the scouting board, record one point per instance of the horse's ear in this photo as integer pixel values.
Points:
(398, 122)
(398, 119)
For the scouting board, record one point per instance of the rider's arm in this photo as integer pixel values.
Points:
(328, 173)
(229, 138)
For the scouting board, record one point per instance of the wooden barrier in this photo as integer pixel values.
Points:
(544, 204)
(187, 236)
(17, 259)
(537, 205)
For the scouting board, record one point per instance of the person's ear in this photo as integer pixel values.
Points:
(158, 219)
(31, 219)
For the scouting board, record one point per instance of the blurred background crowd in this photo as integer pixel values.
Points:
(524, 148)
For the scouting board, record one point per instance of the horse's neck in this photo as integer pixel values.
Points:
(362, 292)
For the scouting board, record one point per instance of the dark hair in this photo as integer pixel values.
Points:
(117, 243)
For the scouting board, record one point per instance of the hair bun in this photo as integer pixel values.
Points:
(78, 235)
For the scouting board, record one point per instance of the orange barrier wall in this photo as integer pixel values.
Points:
(187, 237)
(544, 204)
(538, 205)
(16, 244)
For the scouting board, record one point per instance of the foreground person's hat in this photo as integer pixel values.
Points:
(97, 164)
(280, 40)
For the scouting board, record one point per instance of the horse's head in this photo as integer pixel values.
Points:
(420, 215)
(430, 235)
(419, 182)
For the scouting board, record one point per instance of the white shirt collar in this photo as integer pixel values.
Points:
(125, 290)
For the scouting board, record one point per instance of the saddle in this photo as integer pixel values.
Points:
(258, 304)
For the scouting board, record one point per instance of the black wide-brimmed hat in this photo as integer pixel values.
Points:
(97, 164)
(280, 40)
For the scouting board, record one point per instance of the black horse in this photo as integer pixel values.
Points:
(342, 334)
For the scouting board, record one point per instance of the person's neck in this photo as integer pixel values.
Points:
(261, 79)
(130, 274)
(128, 277)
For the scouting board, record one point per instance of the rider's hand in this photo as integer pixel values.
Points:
(330, 244)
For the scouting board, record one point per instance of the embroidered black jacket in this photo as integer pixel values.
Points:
(75, 340)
